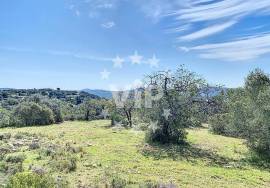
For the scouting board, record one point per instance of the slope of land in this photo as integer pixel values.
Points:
(110, 153)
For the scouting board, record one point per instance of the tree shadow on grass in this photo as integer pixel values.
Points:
(257, 160)
(187, 152)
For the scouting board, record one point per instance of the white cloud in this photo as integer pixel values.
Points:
(212, 12)
(178, 29)
(208, 31)
(219, 16)
(156, 9)
(238, 50)
(108, 25)
(196, 19)
(183, 48)
(222, 9)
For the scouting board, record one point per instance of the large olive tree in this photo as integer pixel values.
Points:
(172, 113)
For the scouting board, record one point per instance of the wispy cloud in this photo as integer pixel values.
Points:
(207, 31)
(77, 55)
(213, 17)
(223, 9)
(156, 9)
(108, 25)
(237, 50)
(178, 29)
(211, 12)
(197, 19)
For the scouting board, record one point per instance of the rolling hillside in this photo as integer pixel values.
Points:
(108, 155)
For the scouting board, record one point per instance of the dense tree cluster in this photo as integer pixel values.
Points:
(246, 112)
(46, 106)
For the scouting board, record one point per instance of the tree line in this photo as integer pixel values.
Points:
(166, 105)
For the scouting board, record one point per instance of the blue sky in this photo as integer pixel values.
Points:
(101, 44)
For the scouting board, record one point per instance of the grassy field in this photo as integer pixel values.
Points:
(110, 153)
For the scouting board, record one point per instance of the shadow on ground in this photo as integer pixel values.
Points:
(186, 152)
(194, 154)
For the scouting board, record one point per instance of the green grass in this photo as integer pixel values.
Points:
(209, 160)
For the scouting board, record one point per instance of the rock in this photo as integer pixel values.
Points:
(38, 170)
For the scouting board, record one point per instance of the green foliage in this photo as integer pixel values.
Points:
(30, 113)
(5, 136)
(30, 180)
(10, 168)
(179, 91)
(63, 105)
(259, 128)
(55, 106)
(256, 82)
(247, 113)
(64, 163)
(15, 158)
(118, 182)
(219, 123)
(4, 118)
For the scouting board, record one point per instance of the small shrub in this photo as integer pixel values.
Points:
(4, 149)
(34, 146)
(219, 123)
(117, 182)
(11, 168)
(49, 150)
(30, 180)
(4, 118)
(21, 135)
(15, 158)
(5, 136)
(66, 163)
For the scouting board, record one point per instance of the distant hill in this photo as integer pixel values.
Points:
(73, 97)
(100, 93)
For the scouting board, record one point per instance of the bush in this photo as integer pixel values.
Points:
(63, 161)
(118, 182)
(67, 164)
(30, 113)
(15, 158)
(240, 117)
(259, 128)
(5, 136)
(30, 180)
(219, 123)
(4, 118)
(55, 106)
(11, 168)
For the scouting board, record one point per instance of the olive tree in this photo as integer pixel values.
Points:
(172, 113)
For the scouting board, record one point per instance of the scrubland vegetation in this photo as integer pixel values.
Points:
(175, 131)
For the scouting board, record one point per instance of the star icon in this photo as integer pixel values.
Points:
(136, 59)
(105, 74)
(166, 113)
(118, 62)
(153, 125)
(153, 62)
(105, 113)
